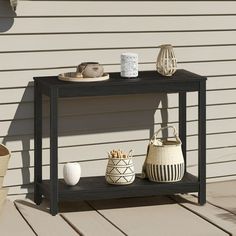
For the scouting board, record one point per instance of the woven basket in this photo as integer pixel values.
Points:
(4, 159)
(3, 195)
(166, 61)
(120, 171)
(164, 161)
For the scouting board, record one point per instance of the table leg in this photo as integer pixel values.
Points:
(37, 143)
(53, 152)
(183, 123)
(202, 143)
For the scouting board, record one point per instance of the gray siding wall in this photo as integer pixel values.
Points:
(50, 37)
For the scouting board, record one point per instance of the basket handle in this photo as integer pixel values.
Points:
(154, 137)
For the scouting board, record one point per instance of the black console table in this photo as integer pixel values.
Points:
(95, 187)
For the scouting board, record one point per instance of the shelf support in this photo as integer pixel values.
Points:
(37, 143)
(202, 143)
(182, 123)
(53, 151)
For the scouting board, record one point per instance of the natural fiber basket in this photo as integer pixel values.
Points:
(120, 171)
(3, 195)
(4, 159)
(164, 161)
(166, 61)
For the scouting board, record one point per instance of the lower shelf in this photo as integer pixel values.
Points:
(91, 188)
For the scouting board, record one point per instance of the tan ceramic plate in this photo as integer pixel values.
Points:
(71, 77)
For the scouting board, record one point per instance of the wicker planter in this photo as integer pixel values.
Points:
(166, 61)
(4, 159)
(120, 171)
(164, 161)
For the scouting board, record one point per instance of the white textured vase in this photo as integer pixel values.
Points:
(166, 61)
(71, 173)
(129, 65)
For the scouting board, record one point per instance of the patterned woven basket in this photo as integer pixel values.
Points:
(120, 171)
(164, 161)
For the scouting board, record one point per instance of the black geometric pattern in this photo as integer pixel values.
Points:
(120, 171)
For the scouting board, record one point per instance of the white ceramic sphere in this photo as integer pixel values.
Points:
(71, 173)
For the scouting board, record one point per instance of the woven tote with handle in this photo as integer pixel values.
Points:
(164, 160)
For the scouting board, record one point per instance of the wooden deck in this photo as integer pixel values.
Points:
(176, 215)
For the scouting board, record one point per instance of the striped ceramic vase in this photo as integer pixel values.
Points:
(164, 161)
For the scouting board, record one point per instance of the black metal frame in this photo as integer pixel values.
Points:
(95, 187)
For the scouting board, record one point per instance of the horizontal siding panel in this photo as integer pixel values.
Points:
(215, 127)
(17, 95)
(36, 60)
(16, 111)
(216, 112)
(118, 24)
(81, 8)
(213, 156)
(78, 153)
(214, 141)
(25, 142)
(220, 97)
(209, 68)
(112, 40)
(9, 79)
(224, 114)
(221, 82)
(217, 170)
(86, 106)
(25, 110)
(223, 128)
(123, 120)
(20, 192)
(25, 159)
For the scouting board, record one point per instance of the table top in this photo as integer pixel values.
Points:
(146, 82)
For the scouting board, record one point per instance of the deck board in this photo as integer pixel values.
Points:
(223, 194)
(154, 215)
(218, 216)
(88, 222)
(158, 215)
(42, 222)
(12, 223)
